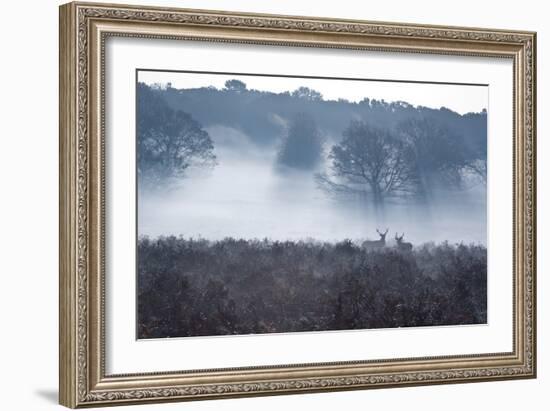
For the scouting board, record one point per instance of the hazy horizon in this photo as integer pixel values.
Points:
(461, 99)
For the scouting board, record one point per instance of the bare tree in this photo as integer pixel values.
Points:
(478, 167)
(439, 156)
(372, 163)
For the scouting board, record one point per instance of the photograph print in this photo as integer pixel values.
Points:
(277, 204)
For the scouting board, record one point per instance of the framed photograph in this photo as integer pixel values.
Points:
(259, 204)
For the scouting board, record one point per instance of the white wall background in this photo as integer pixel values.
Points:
(28, 205)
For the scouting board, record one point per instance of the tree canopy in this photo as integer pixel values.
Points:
(438, 155)
(301, 146)
(235, 85)
(371, 162)
(169, 141)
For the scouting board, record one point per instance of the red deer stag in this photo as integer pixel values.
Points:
(403, 245)
(376, 244)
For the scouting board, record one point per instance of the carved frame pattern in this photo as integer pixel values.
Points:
(79, 384)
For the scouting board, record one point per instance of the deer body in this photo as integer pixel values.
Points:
(403, 245)
(376, 244)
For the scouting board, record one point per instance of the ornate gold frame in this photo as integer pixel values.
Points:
(83, 30)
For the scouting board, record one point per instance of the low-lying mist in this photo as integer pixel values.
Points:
(246, 196)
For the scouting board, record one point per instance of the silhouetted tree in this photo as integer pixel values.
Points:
(370, 162)
(168, 141)
(479, 168)
(437, 154)
(477, 161)
(235, 85)
(302, 145)
(307, 94)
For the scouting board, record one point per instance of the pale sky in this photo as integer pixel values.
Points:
(459, 98)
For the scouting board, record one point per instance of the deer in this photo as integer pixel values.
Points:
(403, 245)
(376, 244)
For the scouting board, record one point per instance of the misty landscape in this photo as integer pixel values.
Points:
(274, 204)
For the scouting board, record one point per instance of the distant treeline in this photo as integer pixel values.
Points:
(257, 113)
(370, 150)
(192, 287)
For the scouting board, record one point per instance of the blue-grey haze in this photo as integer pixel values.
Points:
(264, 180)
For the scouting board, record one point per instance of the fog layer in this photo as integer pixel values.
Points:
(246, 196)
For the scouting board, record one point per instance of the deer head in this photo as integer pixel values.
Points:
(399, 239)
(382, 235)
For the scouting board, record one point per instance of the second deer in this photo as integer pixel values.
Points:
(403, 245)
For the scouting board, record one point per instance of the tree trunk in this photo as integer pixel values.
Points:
(378, 203)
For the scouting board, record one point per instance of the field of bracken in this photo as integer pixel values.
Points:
(190, 287)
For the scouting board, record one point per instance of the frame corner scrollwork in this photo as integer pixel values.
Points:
(82, 378)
